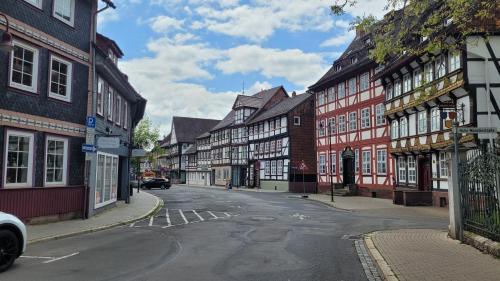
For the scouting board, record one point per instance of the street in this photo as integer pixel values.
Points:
(213, 234)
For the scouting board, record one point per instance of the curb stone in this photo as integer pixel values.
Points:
(158, 206)
(380, 262)
(329, 204)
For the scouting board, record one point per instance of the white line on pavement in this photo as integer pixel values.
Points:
(227, 215)
(168, 218)
(60, 258)
(212, 214)
(183, 217)
(151, 221)
(194, 212)
(35, 257)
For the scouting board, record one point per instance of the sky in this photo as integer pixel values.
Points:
(192, 57)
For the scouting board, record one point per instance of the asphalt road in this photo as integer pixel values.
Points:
(209, 234)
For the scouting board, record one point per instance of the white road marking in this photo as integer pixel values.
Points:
(227, 215)
(60, 258)
(183, 217)
(132, 224)
(194, 212)
(168, 218)
(151, 221)
(212, 214)
(35, 257)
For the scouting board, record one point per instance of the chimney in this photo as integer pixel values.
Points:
(359, 32)
(294, 94)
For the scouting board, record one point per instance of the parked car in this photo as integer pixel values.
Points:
(12, 240)
(163, 183)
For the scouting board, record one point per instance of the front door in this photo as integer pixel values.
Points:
(424, 174)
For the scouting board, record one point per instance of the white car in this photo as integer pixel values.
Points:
(12, 239)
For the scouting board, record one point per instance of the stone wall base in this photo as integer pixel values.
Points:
(483, 244)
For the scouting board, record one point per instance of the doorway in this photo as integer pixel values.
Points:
(424, 174)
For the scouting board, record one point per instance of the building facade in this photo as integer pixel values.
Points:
(43, 85)
(280, 147)
(350, 117)
(118, 110)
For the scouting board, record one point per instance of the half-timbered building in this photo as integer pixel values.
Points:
(281, 151)
(350, 114)
(198, 167)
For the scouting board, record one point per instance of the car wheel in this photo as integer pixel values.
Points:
(9, 249)
(162, 186)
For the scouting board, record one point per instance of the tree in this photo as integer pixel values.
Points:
(146, 135)
(443, 24)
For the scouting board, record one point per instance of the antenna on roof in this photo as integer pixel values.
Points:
(243, 87)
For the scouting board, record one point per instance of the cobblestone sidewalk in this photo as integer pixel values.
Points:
(424, 254)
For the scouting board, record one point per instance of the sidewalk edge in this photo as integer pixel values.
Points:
(159, 205)
(378, 259)
(329, 204)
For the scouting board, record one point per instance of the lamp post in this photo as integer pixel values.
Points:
(6, 40)
(328, 134)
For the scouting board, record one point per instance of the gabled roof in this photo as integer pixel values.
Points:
(226, 122)
(204, 135)
(106, 42)
(248, 101)
(187, 128)
(191, 150)
(281, 108)
(166, 141)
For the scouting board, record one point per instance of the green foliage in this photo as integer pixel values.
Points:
(444, 23)
(146, 135)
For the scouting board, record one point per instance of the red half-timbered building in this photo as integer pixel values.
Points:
(350, 113)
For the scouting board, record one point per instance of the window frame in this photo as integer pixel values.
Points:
(380, 163)
(125, 114)
(333, 163)
(402, 168)
(65, 161)
(39, 5)
(443, 165)
(422, 122)
(417, 77)
(118, 110)
(70, 22)
(341, 90)
(69, 78)
(353, 121)
(296, 120)
(454, 58)
(34, 74)
(364, 81)
(407, 79)
(366, 166)
(412, 169)
(29, 177)
(341, 123)
(379, 114)
(395, 129)
(352, 82)
(435, 119)
(365, 120)
(100, 94)
(111, 200)
(322, 165)
(110, 103)
(403, 127)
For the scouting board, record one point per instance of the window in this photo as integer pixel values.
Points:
(389, 91)
(100, 96)
(322, 165)
(18, 159)
(397, 88)
(443, 165)
(341, 91)
(36, 3)
(331, 94)
(333, 163)
(352, 86)
(60, 79)
(365, 118)
(356, 161)
(403, 127)
(367, 162)
(321, 98)
(331, 126)
(381, 161)
(271, 125)
(440, 66)
(64, 10)
(394, 129)
(453, 61)
(112, 56)
(110, 103)
(24, 67)
(125, 114)
(412, 172)
(435, 119)
(279, 167)
(428, 72)
(239, 116)
(422, 122)
(273, 167)
(321, 128)
(364, 82)
(118, 110)
(341, 164)
(107, 179)
(273, 146)
(379, 114)
(406, 83)
(352, 121)
(341, 119)
(266, 147)
(267, 168)
(296, 120)
(417, 78)
(402, 170)
(278, 146)
(56, 158)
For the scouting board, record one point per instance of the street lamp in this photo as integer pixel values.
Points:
(328, 134)
(6, 40)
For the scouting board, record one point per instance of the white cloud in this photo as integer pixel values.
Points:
(293, 64)
(339, 40)
(367, 7)
(107, 16)
(163, 24)
(259, 86)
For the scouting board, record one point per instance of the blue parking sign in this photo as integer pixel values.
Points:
(90, 121)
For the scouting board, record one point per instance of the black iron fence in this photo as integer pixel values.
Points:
(479, 183)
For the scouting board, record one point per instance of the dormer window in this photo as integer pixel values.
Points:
(112, 56)
(354, 60)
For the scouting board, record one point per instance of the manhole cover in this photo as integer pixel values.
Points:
(262, 218)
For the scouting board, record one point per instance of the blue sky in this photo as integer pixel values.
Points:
(191, 57)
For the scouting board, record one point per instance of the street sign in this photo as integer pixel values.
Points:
(108, 142)
(91, 122)
(88, 148)
(138, 152)
(475, 130)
